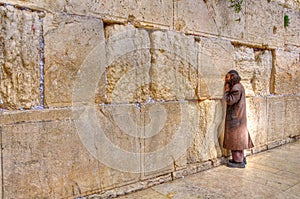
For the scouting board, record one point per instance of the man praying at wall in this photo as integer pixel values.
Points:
(236, 137)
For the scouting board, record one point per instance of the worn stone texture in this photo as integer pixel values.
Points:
(63, 57)
(47, 5)
(264, 26)
(292, 125)
(215, 58)
(138, 12)
(19, 59)
(174, 66)
(287, 66)
(257, 118)
(209, 17)
(194, 16)
(255, 68)
(276, 118)
(207, 144)
(126, 77)
(292, 31)
(35, 166)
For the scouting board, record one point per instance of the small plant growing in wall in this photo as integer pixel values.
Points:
(236, 4)
(286, 21)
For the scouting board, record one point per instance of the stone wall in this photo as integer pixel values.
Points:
(108, 97)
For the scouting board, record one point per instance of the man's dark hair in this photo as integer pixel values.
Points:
(235, 77)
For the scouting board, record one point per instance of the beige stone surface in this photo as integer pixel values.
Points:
(63, 57)
(126, 77)
(255, 68)
(257, 118)
(287, 67)
(173, 70)
(47, 5)
(292, 31)
(155, 13)
(19, 59)
(49, 160)
(292, 112)
(194, 16)
(215, 59)
(264, 23)
(219, 18)
(276, 118)
(207, 143)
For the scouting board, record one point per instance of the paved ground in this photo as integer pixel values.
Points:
(270, 174)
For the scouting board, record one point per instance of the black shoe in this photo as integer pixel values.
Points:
(232, 161)
(236, 165)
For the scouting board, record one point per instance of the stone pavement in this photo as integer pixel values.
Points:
(270, 174)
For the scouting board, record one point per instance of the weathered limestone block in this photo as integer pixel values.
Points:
(176, 126)
(287, 70)
(226, 22)
(127, 77)
(153, 13)
(276, 118)
(264, 23)
(257, 119)
(215, 59)
(292, 4)
(255, 68)
(194, 16)
(47, 5)
(48, 160)
(292, 115)
(68, 42)
(292, 31)
(173, 70)
(15, 117)
(207, 142)
(19, 58)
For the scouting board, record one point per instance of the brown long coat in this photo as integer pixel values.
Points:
(236, 135)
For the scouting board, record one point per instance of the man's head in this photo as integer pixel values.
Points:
(232, 77)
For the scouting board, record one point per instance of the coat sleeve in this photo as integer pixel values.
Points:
(233, 96)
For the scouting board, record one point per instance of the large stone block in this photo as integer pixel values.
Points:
(264, 23)
(292, 30)
(19, 58)
(255, 68)
(257, 119)
(49, 160)
(176, 128)
(215, 58)
(174, 66)
(276, 118)
(155, 13)
(193, 17)
(214, 17)
(46, 5)
(292, 113)
(207, 143)
(69, 40)
(126, 79)
(287, 70)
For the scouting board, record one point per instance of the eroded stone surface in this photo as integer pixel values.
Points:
(136, 12)
(269, 31)
(287, 76)
(65, 52)
(49, 160)
(19, 59)
(255, 68)
(207, 143)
